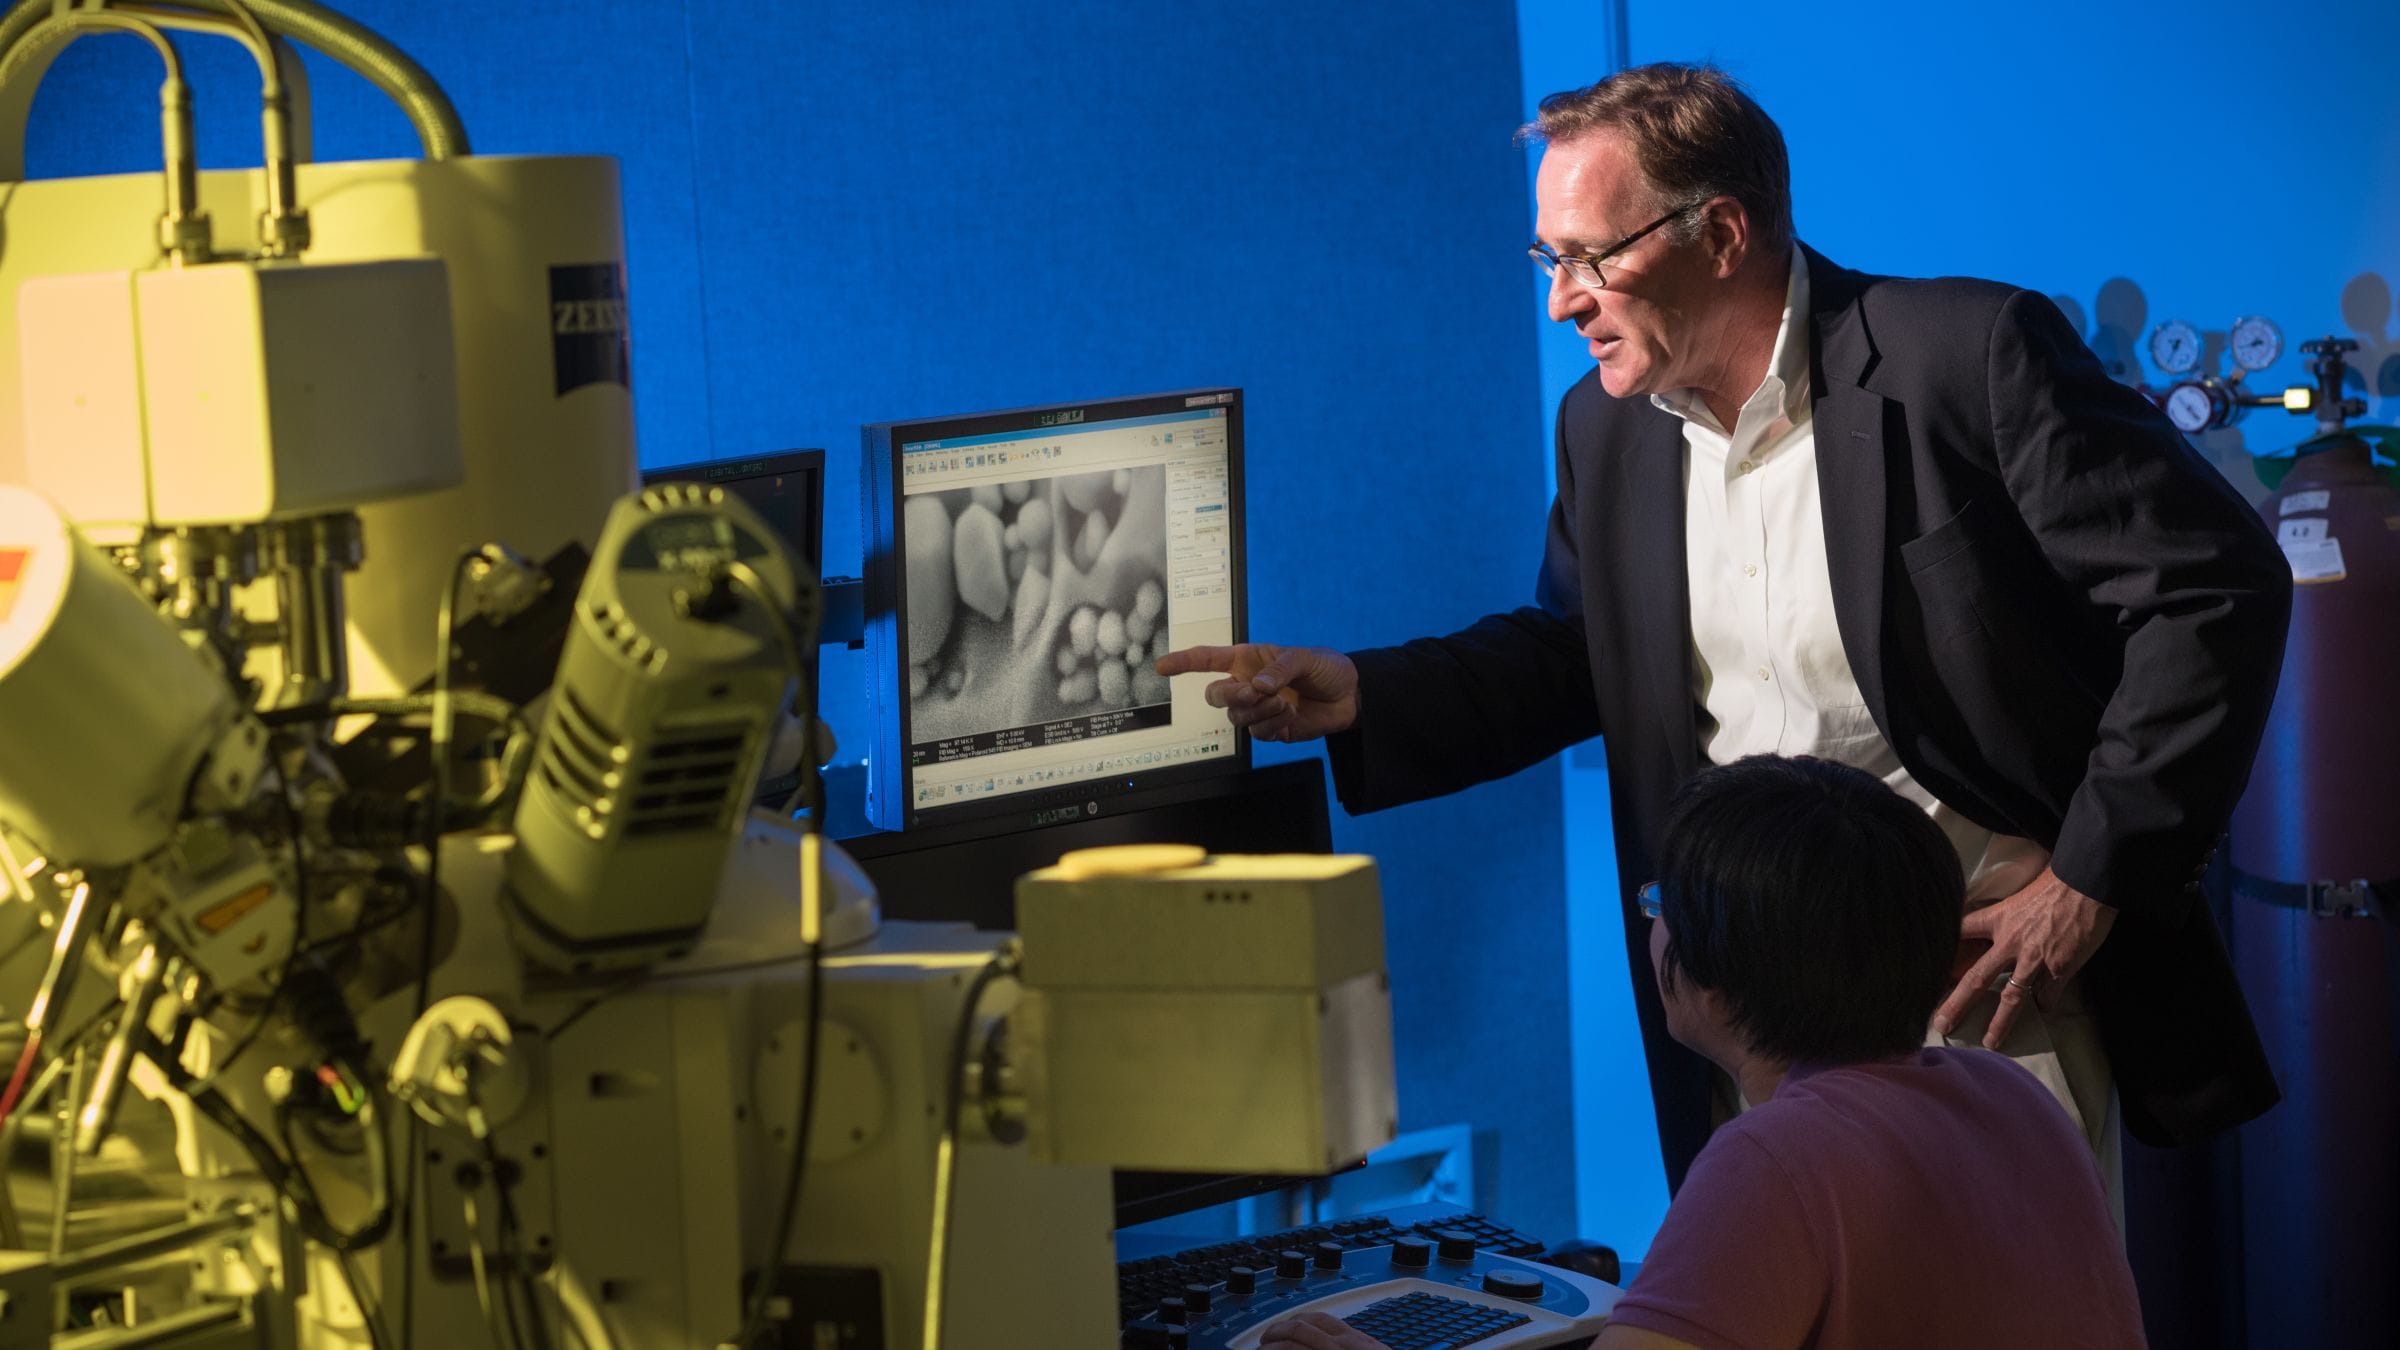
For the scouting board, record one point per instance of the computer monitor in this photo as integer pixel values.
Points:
(1024, 569)
(787, 489)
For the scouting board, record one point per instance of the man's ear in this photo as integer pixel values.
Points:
(1725, 236)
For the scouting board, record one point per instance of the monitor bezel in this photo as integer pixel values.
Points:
(889, 801)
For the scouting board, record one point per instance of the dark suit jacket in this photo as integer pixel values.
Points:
(2066, 623)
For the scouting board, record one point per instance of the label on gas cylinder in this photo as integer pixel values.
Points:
(2305, 530)
(2315, 560)
(2306, 501)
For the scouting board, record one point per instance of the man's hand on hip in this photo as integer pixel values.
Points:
(1279, 693)
(2040, 937)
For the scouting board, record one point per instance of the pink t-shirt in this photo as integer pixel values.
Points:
(1942, 1199)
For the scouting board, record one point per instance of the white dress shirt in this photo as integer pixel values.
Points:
(1768, 667)
(1771, 677)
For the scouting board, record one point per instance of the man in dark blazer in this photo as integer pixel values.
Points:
(2064, 626)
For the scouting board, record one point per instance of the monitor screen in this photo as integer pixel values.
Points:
(1024, 569)
(787, 489)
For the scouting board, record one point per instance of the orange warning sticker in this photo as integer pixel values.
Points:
(226, 915)
(12, 567)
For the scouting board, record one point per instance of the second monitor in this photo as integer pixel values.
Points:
(1024, 569)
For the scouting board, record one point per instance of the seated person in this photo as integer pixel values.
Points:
(1879, 1194)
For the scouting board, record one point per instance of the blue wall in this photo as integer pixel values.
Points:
(843, 213)
(2215, 160)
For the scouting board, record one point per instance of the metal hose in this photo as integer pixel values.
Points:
(401, 79)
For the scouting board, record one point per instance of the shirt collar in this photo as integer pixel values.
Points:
(1785, 388)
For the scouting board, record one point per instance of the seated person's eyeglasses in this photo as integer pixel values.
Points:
(1647, 897)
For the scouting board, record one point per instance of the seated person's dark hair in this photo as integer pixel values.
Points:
(1820, 904)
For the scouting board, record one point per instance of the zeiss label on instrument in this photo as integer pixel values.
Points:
(587, 326)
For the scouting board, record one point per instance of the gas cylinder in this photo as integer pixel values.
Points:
(2315, 847)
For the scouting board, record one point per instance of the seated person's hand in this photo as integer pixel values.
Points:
(1279, 693)
(1317, 1331)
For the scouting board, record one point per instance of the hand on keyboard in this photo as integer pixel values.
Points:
(1316, 1331)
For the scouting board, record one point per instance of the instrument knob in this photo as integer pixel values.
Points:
(1513, 1284)
(1291, 1264)
(1455, 1245)
(1412, 1254)
(1329, 1255)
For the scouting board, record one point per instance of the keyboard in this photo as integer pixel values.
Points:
(1143, 1283)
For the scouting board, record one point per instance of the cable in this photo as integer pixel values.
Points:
(483, 1283)
(368, 1312)
(516, 1272)
(809, 792)
(11, 1234)
(288, 1178)
(444, 620)
(754, 1319)
(183, 227)
(795, 641)
(630, 982)
(58, 982)
(429, 111)
(1004, 964)
(291, 959)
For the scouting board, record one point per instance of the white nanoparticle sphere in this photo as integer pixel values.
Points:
(1033, 526)
(932, 586)
(980, 561)
(1084, 491)
(1090, 540)
(1033, 592)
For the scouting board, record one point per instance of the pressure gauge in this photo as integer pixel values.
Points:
(2255, 342)
(2195, 406)
(2175, 346)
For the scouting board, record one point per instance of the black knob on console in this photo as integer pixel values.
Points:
(1456, 1246)
(1291, 1264)
(1241, 1282)
(1329, 1255)
(1513, 1284)
(1197, 1298)
(1412, 1254)
(1171, 1311)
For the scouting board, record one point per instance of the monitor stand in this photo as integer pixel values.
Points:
(969, 872)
